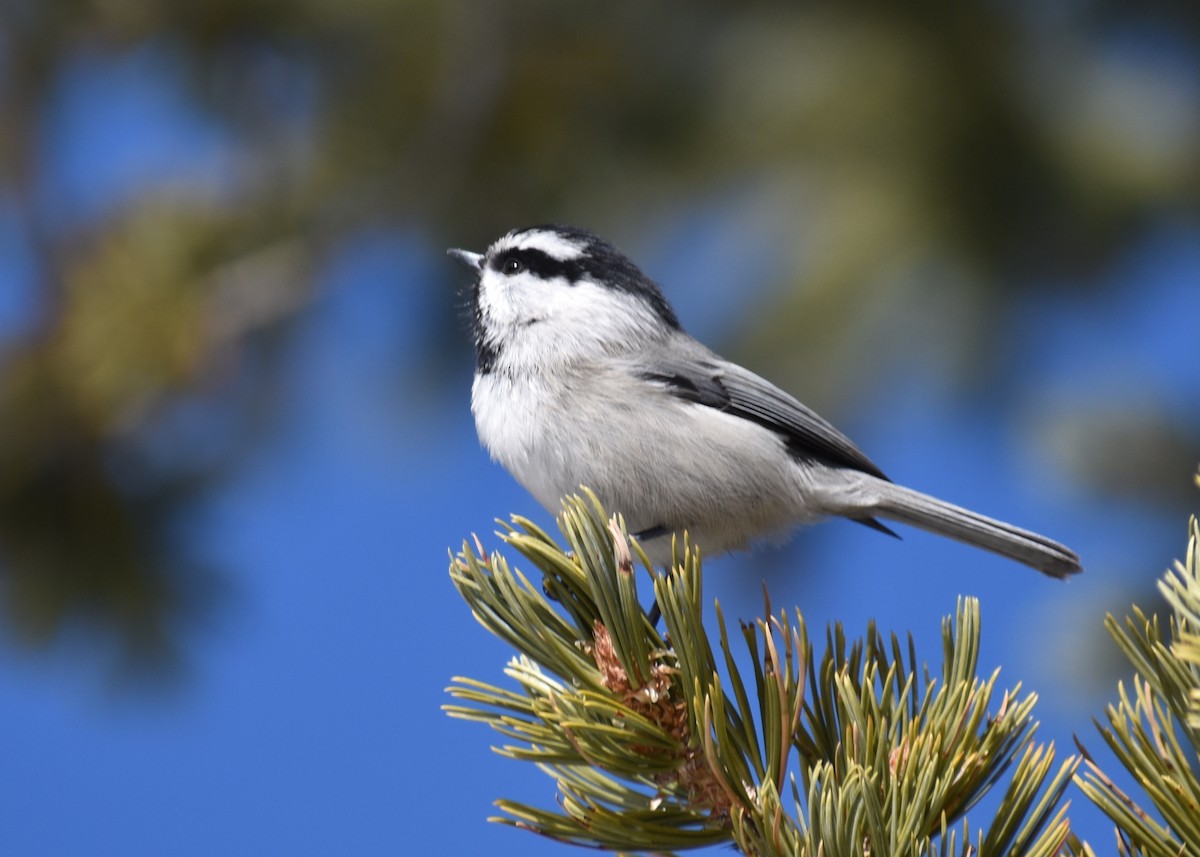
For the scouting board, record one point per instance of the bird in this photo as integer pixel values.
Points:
(584, 377)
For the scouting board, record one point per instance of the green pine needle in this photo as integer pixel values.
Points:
(655, 743)
(1154, 728)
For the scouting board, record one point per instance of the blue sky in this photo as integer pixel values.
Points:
(309, 719)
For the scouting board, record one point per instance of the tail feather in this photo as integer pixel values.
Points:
(897, 503)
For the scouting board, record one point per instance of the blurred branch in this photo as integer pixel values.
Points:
(96, 469)
(893, 165)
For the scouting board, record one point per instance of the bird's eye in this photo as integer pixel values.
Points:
(513, 266)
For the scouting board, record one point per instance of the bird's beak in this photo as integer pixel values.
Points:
(474, 261)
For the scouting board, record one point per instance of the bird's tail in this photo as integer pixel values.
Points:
(897, 503)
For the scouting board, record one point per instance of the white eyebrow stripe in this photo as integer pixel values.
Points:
(552, 244)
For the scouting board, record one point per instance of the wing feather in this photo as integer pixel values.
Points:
(730, 388)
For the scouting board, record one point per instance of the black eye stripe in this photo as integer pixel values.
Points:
(539, 263)
(599, 262)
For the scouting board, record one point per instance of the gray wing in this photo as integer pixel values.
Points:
(708, 380)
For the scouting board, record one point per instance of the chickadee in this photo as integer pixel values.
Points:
(584, 376)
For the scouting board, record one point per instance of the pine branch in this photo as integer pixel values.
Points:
(656, 743)
(1154, 728)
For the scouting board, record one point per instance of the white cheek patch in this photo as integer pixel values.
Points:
(514, 301)
(535, 322)
(497, 301)
(596, 318)
(553, 244)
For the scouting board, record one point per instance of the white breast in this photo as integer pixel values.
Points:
(641, 450)
(510, 418)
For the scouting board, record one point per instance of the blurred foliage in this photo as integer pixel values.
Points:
(871, 148)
